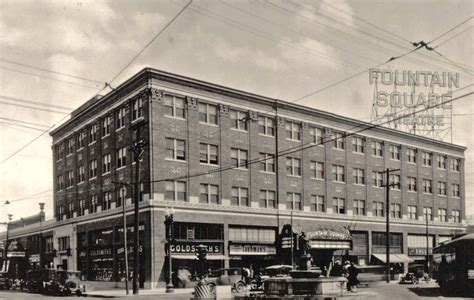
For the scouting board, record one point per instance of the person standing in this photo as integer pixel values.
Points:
(352, 280)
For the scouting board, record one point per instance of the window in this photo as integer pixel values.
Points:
(426, 158)
(358, 144)
(60, 182)
(81, 174)
(238, 120)
(121, 157)
(441, 188)
(93, 134)
(70, 210)
(63, 243)
(338, 141)
(70, 146)
(411, 212)
(338, 173)
(293, 131)
(456, 216)
(175, 191)
(378, 209)
(293, 166)
(317, 135)
(359, 176)
(239, 158)
(267, 199)
(266, 126)
(411, 182)
(441, 162)
(60, 212)
(239, 196)
(82, 207)
(455, 164)
(428, 213)
(339, 205)
(93, 204)
(377, 178)
(252, 235)
(120, 118)
(107, 202)
(81, 139)
(106, 163)
(442, 215)
(293, 201)
(394, 152)
(427, 186)
(106, 122)
(70, 179)
(121, 194)
(174, 107)
(208, 113)
(93, 169)
(359, 207)
(208, 154)
(411, 155)
(209, 194)
(455, 189)
(175, 149)
(395, 210)
(317, 169)
(59, 152)
(137, 109)
(317, 203)
(267, 162)
(377, 149)
(395, 180)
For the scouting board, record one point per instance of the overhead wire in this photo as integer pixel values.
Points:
(36, 102)
(34, 107)
(25, 122)
(450, 30)
(452, 37)
(21, 125)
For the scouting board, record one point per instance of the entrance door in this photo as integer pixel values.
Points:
(64, 264)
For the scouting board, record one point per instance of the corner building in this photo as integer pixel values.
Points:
(210, 154)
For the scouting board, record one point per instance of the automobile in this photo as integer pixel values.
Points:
(54, 282)
(227, 276)
(256, 283)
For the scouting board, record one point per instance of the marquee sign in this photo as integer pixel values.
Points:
(252, 250)
(328, 234)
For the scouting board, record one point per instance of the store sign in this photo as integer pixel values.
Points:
(185, 248)
(327, 234)
(34, 258)
(252, 250)
(419, 251)
(16, 254)
(101, 252)
(130, 249)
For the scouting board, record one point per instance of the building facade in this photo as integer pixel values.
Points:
(236, 167)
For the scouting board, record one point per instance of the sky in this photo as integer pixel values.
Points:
(280, 49)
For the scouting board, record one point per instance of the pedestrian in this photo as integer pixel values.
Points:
(352, 280)
(336, 270)
(246, 275)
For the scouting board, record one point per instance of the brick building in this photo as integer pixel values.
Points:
(210, 154)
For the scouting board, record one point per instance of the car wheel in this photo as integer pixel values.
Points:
(212, 288)
(240, 287)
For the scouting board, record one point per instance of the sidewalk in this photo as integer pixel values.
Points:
(121, 292)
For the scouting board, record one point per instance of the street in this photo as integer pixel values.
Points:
(384, 291)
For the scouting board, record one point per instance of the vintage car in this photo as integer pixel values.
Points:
(225, 276)
(53, 282)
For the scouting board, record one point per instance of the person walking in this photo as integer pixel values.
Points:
(352, 280)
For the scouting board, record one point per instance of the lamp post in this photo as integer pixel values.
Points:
(427, 243)
(10, 217)
(169, 213)
(40, 250)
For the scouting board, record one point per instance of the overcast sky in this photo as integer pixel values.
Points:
(281, 49)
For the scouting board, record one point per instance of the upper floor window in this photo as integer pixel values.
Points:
(137, 109)
(317, 169)
(293, 131)
(107, 201)
(293, 201)
(411, 182)
(317, 135)
(69, 146)
(81, 139)
(106, 163)
(338, 173)
(81, 174)
(208, 113)
(293, 166)
(338, 138)
(427, 186)
(442, 215)
(94, 202)
(394, 152)
(209, 193)
(92, 169)
(317, 203)
(267, 199)
(395, 210)
(93, 133)
(267, 162)
(358, 144)
(411, 155)
(70, 210)
(238, 120)
(378, 209)
(266, 126)
(121, 194)
(427, 157)
(455, 190)
(441, 188)
(239, 196)
(455, 164)
(174, 107)
(377, 178)
(106, 123)
(428, 213)
(175, 149)
(82, 207)
(411, 212)
(239, 158)
(359, 207)
(441, 162)
(175, 190)
(359, 176)
(339, 205)
(122, 157)
(60, 182)
(395, 181)
(59, 151)
(120, 118)
(63, 243)
(456, 216)
(377, 148)
(208, 154)
(70, 179)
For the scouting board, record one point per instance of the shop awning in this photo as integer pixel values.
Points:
(394, 258)
(193, 257)
(330, 244)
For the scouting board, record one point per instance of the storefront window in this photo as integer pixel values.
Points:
(379, 241)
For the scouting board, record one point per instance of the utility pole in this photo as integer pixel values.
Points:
(137, 149)
(41, 205)
(292, 241)
(388, 185)
(427, 243)
(125, 246)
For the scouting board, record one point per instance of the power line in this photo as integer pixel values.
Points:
(20, 125)
(50, 71)
(25, 122)
(454, 36)
(443, 34)
(33, 107)
(452, 62)
(36, 102)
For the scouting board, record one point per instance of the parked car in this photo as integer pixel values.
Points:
(227, 276)
(54, 282)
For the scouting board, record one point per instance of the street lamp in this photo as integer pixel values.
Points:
(169, 213)
(41, 205)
